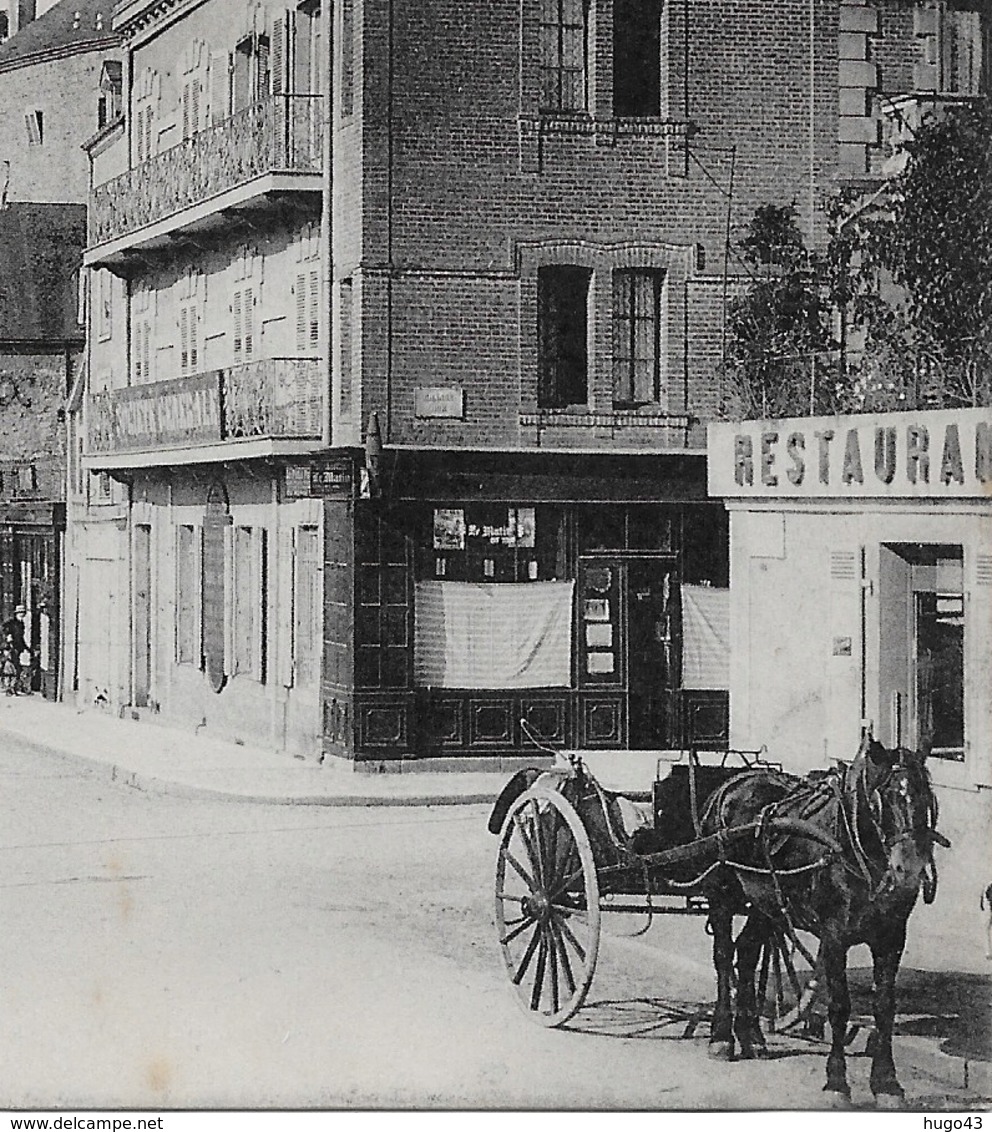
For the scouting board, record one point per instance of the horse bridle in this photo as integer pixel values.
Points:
(867, 803)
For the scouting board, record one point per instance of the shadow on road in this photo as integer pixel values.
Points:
(954, 1007)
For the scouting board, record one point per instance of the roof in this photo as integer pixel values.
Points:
(65, 29)
(41, 248)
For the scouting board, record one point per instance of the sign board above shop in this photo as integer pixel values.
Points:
(318, 480)
(909, 455)
(439, 401)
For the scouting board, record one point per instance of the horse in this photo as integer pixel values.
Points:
(881, 813)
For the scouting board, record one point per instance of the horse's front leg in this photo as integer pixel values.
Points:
(885, 959)
(747, 1026)
(839, 1014)
(721, 1029)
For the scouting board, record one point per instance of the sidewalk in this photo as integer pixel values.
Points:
(153, 757)
(160, 759)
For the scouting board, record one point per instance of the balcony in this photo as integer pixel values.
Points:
(269, 149)
(269, 407)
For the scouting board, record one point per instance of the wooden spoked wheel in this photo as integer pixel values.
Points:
(788, 988)
(547, 906)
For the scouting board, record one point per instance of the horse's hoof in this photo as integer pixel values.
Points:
(721, 1051)
(837, 1100)
(889, 1102)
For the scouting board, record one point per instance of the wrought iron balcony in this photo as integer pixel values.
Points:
(280, 136)
(269, 399)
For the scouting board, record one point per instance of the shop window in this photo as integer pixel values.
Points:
(382, 607)
(495, 543)
(637, 58)
(608, 529)
(188, 648)
(562, 332)
(638, 336)
(564, 55)
(248, 603)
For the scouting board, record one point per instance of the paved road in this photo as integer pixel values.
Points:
(160, 952)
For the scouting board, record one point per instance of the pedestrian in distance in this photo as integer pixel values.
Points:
(16, 662)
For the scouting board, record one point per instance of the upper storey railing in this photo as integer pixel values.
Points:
(282, 134)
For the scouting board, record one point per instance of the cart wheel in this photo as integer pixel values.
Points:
(789, 989)
(547, 905)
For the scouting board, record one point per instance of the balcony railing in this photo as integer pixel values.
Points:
(273, 398)
(282, 134)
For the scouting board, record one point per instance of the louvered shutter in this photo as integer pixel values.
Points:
(219, 87)
(286, 613)
(184, 339)
(193, 334)
(248, 314)
(236, 321)
(301, 313)
(279, 53)
(314, 321)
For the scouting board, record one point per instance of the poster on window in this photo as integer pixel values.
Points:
(449, 528)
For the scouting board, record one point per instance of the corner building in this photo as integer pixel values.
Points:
(413, 317)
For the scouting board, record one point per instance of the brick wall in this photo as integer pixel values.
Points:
(466, 187)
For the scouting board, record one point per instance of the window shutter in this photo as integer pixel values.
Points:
(301, 313)
(148, 351)
(236, 319)
(219, 87)
(286, 620)
(193, 351)
(184, 339)
(248, 314)
(314, 335)
(279, 52)
(186, 111)
(194, 95)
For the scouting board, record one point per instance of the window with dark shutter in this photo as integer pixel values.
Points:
(562, 348)
(637, 58)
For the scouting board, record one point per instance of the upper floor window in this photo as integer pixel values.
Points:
(638, 336)
(110, 103)
(347, 57)
(637, 58)
(956, 45)
(250, 71)
(564, 54)
(562, 335)
(35, 122)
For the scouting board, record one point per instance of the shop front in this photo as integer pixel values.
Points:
(861, 596)
(500, 599)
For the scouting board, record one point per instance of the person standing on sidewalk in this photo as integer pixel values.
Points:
(16, 652)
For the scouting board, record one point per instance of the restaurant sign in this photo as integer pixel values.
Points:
(163, 414)
(939, 453)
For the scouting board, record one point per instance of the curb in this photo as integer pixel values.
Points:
(150, 783)
(925, 1056)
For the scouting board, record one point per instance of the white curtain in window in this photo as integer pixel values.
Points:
(705, 638)
(493, 635)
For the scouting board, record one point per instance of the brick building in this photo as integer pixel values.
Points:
(397, 403)
(49, 86)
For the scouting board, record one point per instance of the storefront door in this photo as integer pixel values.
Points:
(652, 651)
(142, 614)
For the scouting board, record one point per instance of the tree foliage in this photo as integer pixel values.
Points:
(896, 310)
